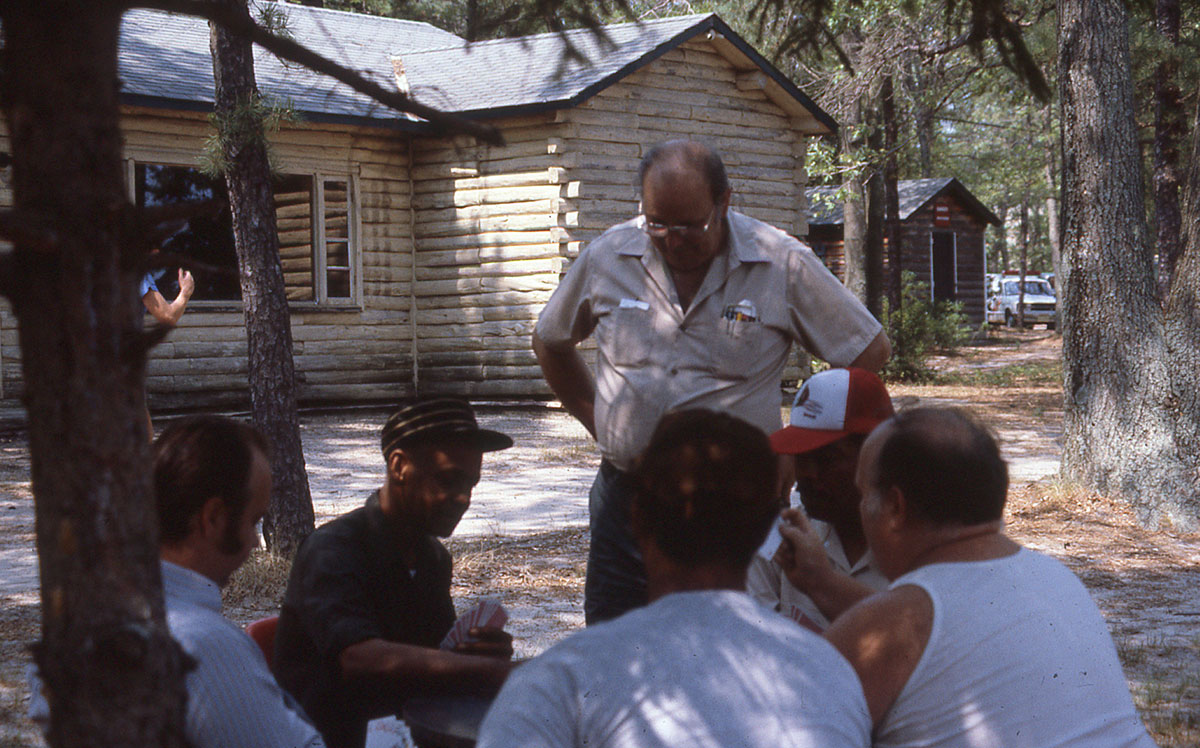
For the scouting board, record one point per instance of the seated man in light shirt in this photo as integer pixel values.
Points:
(212, 485)
(823, 565)
(978, 641)
(703, 665)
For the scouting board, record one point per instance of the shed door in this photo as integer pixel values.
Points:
(942, 265)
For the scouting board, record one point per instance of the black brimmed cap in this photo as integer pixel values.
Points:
(436, 419)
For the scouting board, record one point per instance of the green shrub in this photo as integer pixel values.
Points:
(919, 326)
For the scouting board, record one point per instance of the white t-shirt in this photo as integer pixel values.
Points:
(1018, 655)
(709, 669)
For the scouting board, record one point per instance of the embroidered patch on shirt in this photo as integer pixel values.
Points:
(634, 304)
(743, 311)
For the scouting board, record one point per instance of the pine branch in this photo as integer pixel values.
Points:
(238, 21)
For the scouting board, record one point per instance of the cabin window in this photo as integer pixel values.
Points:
(314, 216)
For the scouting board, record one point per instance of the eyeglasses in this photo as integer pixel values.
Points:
(686, 231)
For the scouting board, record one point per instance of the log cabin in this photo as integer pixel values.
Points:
(417, 261)
(941, 235)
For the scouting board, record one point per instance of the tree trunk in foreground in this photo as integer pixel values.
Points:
(268, 321)
(113, 674)
(1127, 430)
(1169, 130)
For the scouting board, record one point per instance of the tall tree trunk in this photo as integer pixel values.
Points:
(1050, 173)
(268, 323)
(114, 674)
(854, 215)
(874, 245)
(1023, 241)
(1169, 130)
(873, 256)
(1183, 315)
(891, 189)
(1121, 414)
(1002, 238)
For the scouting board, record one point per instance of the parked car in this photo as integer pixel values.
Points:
(1004, 294)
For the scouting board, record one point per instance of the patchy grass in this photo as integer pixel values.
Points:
(256, 589)
(1024, 374)
(1168, 700)
(572, 452)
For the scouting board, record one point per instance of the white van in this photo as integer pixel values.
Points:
(1004, 292)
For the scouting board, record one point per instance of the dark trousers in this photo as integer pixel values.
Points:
(616, 576)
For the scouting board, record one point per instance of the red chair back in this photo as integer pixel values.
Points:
(262, 632)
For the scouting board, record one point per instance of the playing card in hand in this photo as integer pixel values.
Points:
(487, 614)
(773, 541)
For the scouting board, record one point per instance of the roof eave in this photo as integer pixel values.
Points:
(416, 127)
(781, 90)
(960, 190)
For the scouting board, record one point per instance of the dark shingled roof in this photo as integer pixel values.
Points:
(531, 74)
(825, 209)
(165, 62)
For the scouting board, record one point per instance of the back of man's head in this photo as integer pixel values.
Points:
(946, 463)
(706, 489)
(196, 459)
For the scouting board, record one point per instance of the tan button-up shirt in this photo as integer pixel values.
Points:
(726, 352)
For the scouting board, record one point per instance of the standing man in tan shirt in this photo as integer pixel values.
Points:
(693, 305)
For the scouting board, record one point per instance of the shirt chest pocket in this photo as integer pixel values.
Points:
(738, 347)
(626, 336)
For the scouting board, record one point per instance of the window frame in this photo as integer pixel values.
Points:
(320, 296)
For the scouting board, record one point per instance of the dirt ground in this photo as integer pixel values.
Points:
(524, 540)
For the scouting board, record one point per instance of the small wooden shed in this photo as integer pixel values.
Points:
(416, 261)
(941, 234)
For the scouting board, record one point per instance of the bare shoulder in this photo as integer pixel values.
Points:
(884, 637)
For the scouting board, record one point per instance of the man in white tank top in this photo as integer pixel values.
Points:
(978, 641)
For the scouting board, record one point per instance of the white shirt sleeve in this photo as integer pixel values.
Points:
(234, 700)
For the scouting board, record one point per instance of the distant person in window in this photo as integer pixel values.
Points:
(165, 312)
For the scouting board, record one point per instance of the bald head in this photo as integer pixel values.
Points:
(683, 159)
(945, 462)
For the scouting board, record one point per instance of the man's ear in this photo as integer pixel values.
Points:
(399, 463)
(212, 519)
(896, 508)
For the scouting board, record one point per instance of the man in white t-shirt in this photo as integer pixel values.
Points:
(823, 565)
(703, 665)
(978, 641)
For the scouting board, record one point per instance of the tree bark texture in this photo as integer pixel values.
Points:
(268, 323)
(1002, 237)
(1023, 240)
(1183, 313)
(854, 215)
(113, 673)
(1050, 173)
(891, 190)
(1123, 418)
(1169, 131)
(873, 256)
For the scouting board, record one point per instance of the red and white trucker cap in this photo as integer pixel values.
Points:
(831, 405)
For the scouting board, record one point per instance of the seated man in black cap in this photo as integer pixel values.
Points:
(368, 601)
